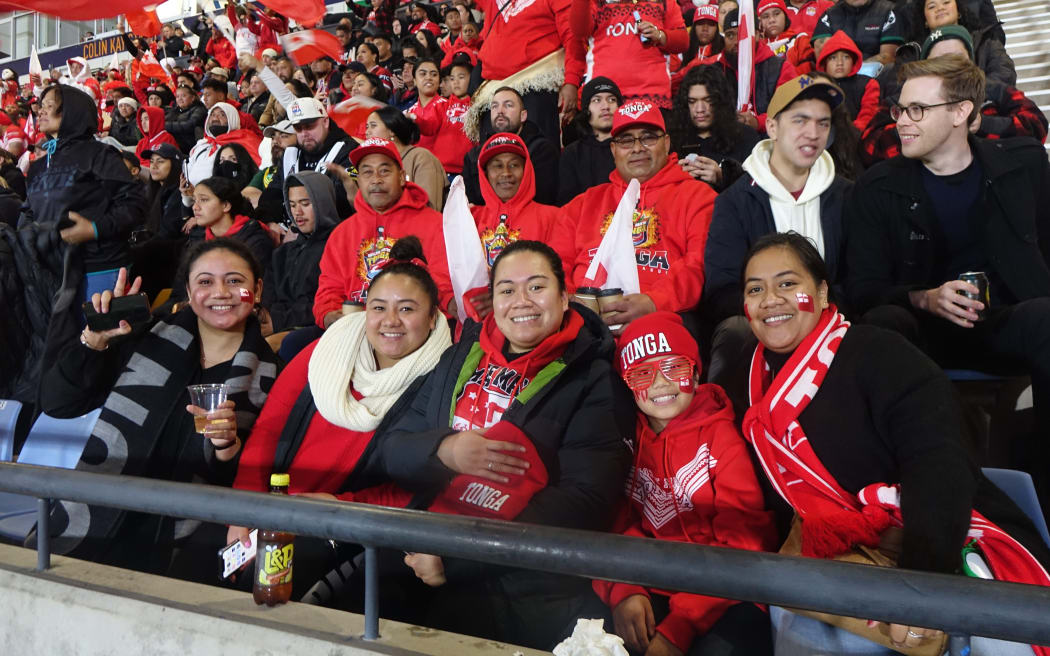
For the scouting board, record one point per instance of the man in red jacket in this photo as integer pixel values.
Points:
(670, 223)
(388, 208)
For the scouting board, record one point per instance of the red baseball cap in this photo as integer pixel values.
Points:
(706, 12)
(373, 146)
(499, 143)
(635, 113)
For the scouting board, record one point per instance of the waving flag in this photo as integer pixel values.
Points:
(745, 64)
(467, 265)
(310, 45)
(352, 113)
(305, 12)
(144, 22)
(36, 73)
(78, 9)
(613, 265)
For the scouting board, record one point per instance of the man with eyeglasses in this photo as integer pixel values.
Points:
(319, 142)
(789, 184)
(670, 222)
(953, 203)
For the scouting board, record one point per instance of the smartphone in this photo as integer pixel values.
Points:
(133, 308)
(235, 555)
(638, 19)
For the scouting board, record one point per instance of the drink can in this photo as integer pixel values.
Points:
(979, 280)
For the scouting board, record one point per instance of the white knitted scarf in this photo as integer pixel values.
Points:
(343, 357)
(802, 215)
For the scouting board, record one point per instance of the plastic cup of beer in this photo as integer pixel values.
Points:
(206, 397)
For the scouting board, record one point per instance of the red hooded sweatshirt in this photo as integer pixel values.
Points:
(869, 100)
(612, 32)
(501, 224)
(693, 482)
(327, 454)
(805, 18)
(670, 232)
(155, 136)
(526, 31)
(441, 121)
(222, 50)
(360, 244)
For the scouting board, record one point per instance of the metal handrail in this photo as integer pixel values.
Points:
(958, 605)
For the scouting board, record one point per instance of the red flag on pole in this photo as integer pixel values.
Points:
(144, 23)
(353, 112)
(310, 45)
(78, 9)
(305, 12)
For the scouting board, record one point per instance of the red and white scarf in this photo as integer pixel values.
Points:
(833, 519)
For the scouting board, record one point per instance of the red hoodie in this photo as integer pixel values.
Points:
(222, 50)
(327, 454)
(614, 38)
(360, 244)
(441, 121)
(869, 101)
(693, 482)
(805, 18)
(670, 232)
(525, 32)
(155, 136)
(501, 224)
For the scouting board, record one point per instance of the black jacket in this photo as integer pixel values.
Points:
(256, 106)
(186, 125)
(89, 177)
(542, 152)
(742, 140)
(871, 26)
(892, 243)
(990, 55)
(167, 214)
(271, 204)
(291, 283)
(16, 182)
(584, 163)
(742, 214)
(125, 130)
(984, 10)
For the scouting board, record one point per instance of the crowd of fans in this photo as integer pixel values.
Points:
(777, 380)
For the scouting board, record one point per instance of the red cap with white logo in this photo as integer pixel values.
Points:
(501, 142)
(656, 333)
(706, 12)
(637, 113)
(375, 146)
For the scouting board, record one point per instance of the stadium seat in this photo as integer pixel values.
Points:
(1019, 487)
(9, 411)
(51, 443)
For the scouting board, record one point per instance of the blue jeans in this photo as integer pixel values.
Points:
(796, 635)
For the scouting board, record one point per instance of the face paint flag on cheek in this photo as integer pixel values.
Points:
(805, 301)
(247, 296)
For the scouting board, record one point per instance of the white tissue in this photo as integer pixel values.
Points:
(588, 639)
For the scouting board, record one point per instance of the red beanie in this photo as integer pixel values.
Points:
(657, 333)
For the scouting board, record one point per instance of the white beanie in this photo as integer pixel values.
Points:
(129, 101)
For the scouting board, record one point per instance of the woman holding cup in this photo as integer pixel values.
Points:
(140, 376)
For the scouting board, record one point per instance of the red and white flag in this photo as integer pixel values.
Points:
(310, 45)
(613, 264)
(144, 22)
(304, 12)
(467, 265)
(745, 63)
(352, 113)
(149, 66)
(36, 72)
(78, 10)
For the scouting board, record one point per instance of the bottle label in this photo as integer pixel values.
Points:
(277, 564)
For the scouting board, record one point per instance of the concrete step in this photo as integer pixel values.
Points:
(1037, 42)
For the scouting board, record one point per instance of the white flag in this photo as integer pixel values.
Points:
(35, 71)
(613, 264)
(745, 66)
(467, 265)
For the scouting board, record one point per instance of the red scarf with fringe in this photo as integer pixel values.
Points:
(833, 519)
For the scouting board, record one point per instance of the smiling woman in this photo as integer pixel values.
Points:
(860, 435)
(146, 428)
(524, 419)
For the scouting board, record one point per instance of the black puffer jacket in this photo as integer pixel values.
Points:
(580, 422)
(89, 177)
(291, 284)
(125, 130)
(584, 163)
(186, 125)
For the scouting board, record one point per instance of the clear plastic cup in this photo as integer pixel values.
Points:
(206, 397)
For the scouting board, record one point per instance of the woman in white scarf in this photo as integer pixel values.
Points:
(355, 372)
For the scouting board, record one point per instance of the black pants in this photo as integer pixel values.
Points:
(743, 630)
(1012, 340)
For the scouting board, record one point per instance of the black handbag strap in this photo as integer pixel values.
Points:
(294, 431)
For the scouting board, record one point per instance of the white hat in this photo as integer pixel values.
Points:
(129, 101)
(305, 109)
(269, 52)
(284, 126)
(219, 70)
(8, 74)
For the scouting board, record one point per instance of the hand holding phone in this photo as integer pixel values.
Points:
(236, 555)
(102, 328)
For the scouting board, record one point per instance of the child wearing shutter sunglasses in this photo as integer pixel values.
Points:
(692, 481)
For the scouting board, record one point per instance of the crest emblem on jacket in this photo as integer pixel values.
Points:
(496, 239)
(659, 504)
(645, 228)
(373, 253)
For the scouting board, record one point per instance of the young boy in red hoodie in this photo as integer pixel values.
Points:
(840, 59)
(692, 481)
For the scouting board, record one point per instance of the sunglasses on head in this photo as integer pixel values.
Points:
(675, 368)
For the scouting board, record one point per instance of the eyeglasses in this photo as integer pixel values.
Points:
(915, 112)
(648, 140)
(676, 368)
